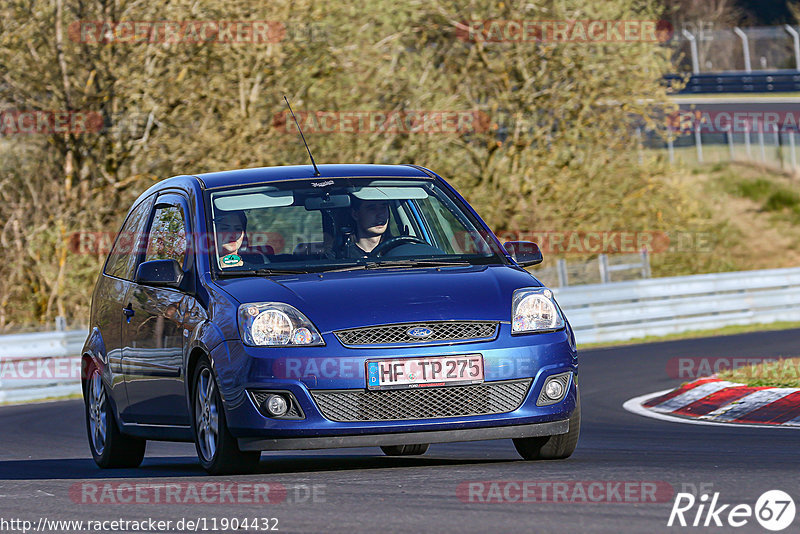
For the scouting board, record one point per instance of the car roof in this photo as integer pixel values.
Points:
(294, 172)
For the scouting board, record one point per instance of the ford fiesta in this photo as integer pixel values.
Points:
(292, 308)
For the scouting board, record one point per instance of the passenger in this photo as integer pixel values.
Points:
(230, 227)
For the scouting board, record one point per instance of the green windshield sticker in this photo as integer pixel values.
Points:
(231, 259)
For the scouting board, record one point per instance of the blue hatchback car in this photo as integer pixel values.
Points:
(287, 308)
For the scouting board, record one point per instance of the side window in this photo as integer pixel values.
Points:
(122, 258)
(167, 237)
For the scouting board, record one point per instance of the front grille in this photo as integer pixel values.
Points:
(348, 405)
(393, 334)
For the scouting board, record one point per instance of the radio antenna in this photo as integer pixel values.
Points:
(303, 137)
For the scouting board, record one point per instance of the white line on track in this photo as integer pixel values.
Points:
(634, 405)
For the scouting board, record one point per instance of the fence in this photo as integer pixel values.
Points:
(737, 49)
(774, 147)
(598, 313)
(598, 270)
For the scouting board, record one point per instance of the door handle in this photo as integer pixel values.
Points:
(128, 311)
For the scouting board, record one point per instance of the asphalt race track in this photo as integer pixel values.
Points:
(44, 460)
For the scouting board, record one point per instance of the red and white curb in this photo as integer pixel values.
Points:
(719, 402)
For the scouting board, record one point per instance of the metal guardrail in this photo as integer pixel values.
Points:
(661, 306)
(40, 365)
(615, 311)
(776, 81)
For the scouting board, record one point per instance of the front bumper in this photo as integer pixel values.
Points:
(405, 438)
(303, 370)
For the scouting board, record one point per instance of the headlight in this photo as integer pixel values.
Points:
(535, 310)
(273, 324)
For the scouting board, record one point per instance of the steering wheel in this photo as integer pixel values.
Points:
(395, 242)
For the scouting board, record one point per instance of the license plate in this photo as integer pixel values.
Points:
(430, 371)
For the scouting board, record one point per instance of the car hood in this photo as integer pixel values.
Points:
(334, 301)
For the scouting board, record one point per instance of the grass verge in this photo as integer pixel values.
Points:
(71, 396)
(781, 373)
(724, 331)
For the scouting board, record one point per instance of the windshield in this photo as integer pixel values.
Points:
(344, 223)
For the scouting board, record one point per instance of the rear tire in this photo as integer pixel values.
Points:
(217, 449)
(405, 450)
(110, 447)
(553, 447)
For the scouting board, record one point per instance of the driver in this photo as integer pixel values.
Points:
(371, 219)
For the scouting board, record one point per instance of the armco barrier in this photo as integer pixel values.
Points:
(660, 306)
(777, 81)
(598, 313)
(40, 365)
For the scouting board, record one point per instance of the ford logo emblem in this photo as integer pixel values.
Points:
(419, 332)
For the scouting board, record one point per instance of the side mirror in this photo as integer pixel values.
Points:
(167, 273)
(524, 253)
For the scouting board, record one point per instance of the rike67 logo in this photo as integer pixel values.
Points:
(774, 510)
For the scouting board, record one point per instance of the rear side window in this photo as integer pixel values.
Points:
(122, 259)
(167, 240)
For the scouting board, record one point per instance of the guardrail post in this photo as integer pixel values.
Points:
(561, 268)
(670, 148)
(779, 145)
(796, 40)
(761, 143)
(745, 48)
(747, 141)
(645, 263)
(793, 155)
(729, 135)
(698, 141)
(693, 48)
(602, 262)
(61, 323)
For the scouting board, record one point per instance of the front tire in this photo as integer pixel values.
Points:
(110, 447)
(553, 447)
(405, 450)
(217, 449)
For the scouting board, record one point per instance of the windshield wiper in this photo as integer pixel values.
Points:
(340, 268)
(261, 272)
(417, 263)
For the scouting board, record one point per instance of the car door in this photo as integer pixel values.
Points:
(152, 333)
(112, 286)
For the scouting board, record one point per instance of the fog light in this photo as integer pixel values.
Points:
(554, 389)
(276, 405)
